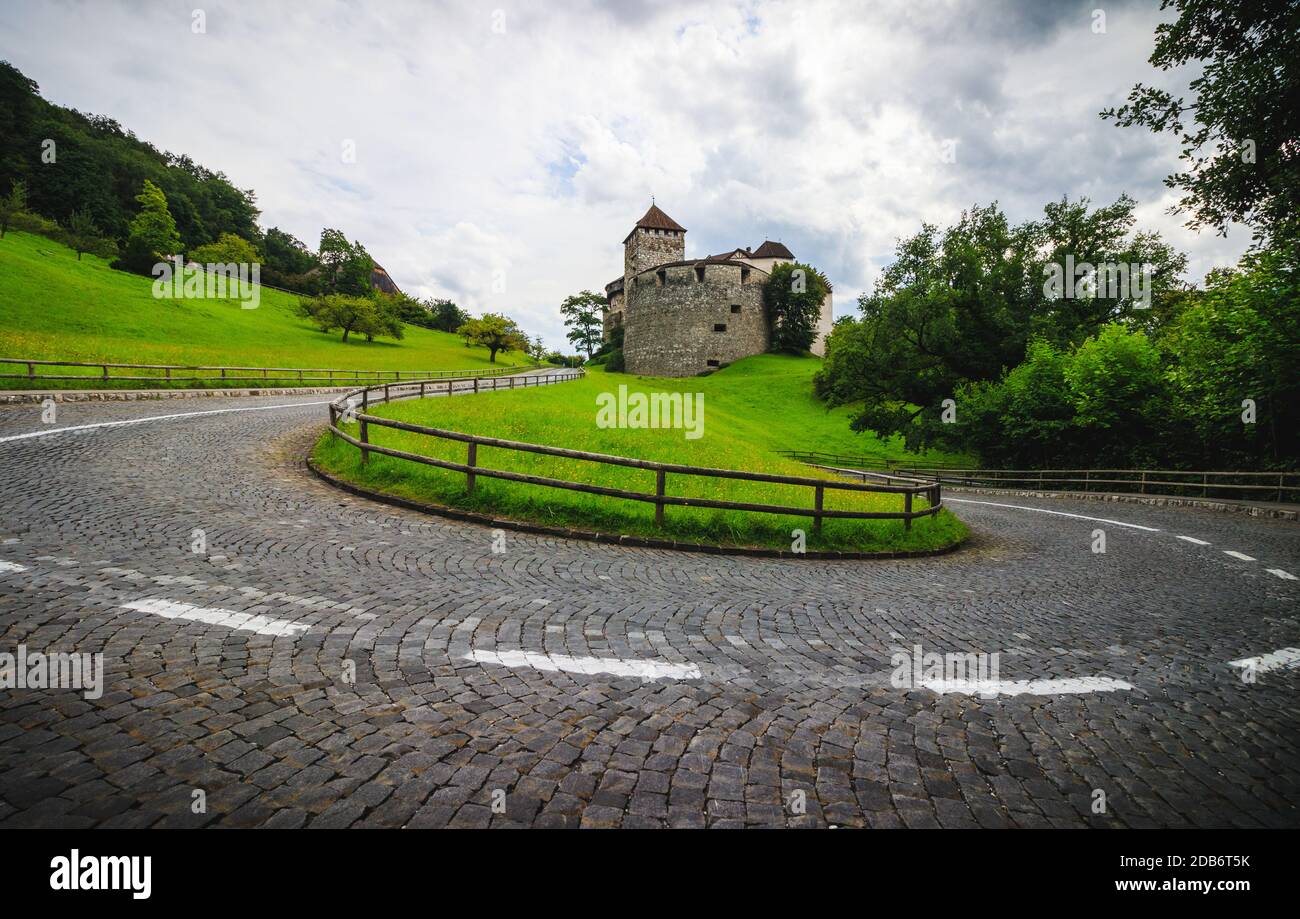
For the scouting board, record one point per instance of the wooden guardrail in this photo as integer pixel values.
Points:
(355, 406)
(300, 376)
(1259, 486)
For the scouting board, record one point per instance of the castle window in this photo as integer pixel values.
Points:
(699, 274)
(719, 327)
(713, 363)
(735, 307)
(662, 277)
(744, 278)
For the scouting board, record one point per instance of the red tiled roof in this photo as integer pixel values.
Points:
(770, 249)
(656, 219)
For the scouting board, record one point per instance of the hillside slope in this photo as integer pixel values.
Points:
(55, 307)
(751, 409)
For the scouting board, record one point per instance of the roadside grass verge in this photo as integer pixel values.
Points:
(752, 408)
(57, 308)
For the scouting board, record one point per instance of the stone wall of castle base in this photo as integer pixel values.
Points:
(682, 327)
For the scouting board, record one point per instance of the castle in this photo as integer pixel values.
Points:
(681, 317)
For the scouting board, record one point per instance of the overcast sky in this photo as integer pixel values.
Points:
(521, 141)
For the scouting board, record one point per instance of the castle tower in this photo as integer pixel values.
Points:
(655, 239)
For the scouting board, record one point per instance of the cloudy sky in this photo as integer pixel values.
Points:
(517, 142)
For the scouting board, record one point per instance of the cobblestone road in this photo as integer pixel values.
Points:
(727, 691)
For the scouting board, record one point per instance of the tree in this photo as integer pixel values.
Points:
(961, 307)
(447, 316)
(83, 235)
(1240, 147)
(384, 317)
(792, 297)
(364, 315)
(582, 314)
(152, 235)
(12, 204)
(229, 249)
(537, 348)
(346, 267)
(494, 332)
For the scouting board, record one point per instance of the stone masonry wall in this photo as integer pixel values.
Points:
(647, 248)
(670, 326)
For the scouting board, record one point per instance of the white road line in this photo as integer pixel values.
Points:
(113, 424)
(1041, 510)
(645, 669)
(1240, 555)
(11, 567)
(240, 622)
(1284, 575)
(1193, 540)
(1067, 686)
(1274, 660)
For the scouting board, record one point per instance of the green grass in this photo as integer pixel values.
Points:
(751, 409)
(55, 307)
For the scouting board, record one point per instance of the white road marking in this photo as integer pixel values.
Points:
(1240, 555)
(1274, 660)
(1284, 575)
(11, 567)
(240, 622)
(113, 424)
(646, 669)
(1067, 686)
(1041, 510)
(1193, 540)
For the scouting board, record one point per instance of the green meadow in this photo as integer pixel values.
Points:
(751, 409)
(54, 307)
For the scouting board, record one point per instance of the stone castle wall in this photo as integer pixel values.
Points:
(670, 317)
(646, 248)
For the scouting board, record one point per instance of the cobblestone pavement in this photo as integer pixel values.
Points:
(722, 691)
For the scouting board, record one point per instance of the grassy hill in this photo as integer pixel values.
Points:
(751, 409)
(53, 306)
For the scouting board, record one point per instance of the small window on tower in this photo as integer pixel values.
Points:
(719, 327)
(663, 277)
(699, 274)
(713, 363)
(735, 307)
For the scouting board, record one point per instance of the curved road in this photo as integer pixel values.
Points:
(330, 662)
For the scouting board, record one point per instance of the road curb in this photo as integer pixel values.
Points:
(624, 539)
(24, 397)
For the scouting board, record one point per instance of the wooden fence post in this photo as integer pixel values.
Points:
(471, 460)
(817, 501)
(659, 493)
(907, 509)
(476, 385)
(365, 439)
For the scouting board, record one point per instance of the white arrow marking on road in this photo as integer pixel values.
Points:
(240, 622)
(1067, 686)
(646, 669)
(113, 424)
(1283, 657)
(11, 567)
(1240, 555)
(1284, 575)
(1041, 510)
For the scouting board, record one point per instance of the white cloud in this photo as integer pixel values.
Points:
(532, 151)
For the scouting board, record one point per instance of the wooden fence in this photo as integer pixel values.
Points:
(354, 406)
(1257, 486)
(264, 376)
